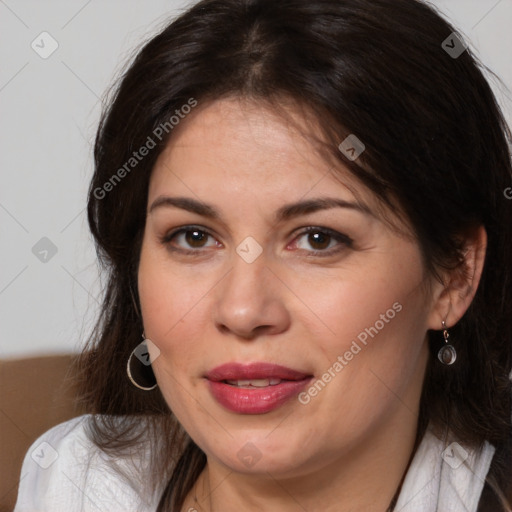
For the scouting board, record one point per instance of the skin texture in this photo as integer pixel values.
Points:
(348, 447)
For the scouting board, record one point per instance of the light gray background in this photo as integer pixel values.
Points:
(49, 111)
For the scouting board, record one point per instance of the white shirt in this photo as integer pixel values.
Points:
(64, 471)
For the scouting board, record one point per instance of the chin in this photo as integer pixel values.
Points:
(277, 457)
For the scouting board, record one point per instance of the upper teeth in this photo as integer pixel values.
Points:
(257, 383)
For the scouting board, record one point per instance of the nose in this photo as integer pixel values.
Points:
(251, 300)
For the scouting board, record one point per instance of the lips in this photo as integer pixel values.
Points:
(253, 371)
(255, 388)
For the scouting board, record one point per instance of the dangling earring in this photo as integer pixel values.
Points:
(447, 353)
(140, 368)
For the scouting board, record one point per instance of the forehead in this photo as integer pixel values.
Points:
(249, 162)
(235, 148)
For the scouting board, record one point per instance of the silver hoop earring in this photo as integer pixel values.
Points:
(447, 353)
(139, 370)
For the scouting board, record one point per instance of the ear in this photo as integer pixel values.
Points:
(452, 298)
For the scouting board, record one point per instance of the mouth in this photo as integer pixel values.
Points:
(254, 383)
(255, 388)
(256, 374)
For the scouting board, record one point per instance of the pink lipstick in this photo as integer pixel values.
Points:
(255, 388)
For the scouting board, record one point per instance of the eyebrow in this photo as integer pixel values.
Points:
(286, 212)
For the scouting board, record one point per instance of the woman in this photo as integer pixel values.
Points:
(300, 207)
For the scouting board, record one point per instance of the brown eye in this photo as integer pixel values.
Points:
(188, 240)
(319, 240)
(195, 237)
(323, 241)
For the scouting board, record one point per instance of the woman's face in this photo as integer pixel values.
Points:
(343, 306)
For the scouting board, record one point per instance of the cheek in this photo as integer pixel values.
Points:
(171, 306)
(374, 362)
(161, 296)
(372, 302)
(377, 322)
(164, 305)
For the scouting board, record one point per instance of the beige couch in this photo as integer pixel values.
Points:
(35, 394)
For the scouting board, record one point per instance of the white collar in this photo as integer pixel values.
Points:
(444, 476)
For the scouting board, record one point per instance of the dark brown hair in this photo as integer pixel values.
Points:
(436, 143)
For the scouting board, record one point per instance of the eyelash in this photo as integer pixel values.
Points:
(339, 237)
